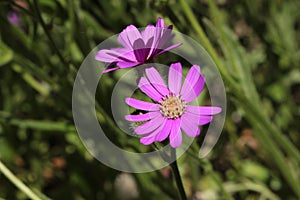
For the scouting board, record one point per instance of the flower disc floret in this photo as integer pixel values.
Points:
(172, 106)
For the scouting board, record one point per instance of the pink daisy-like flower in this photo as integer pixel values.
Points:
(138, 47)
(170, 114)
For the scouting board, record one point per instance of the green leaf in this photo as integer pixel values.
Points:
(43, 125)
(255, 171)
(6, 54)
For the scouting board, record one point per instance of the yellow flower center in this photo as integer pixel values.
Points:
(172, 106)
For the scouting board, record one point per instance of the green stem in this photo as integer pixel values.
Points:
(246, 185)
(177, 176)
(226, 196)
(208, 168)
(18, 183)
(38, 12)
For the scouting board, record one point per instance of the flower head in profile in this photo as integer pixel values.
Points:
(138, 47)
(170, 114)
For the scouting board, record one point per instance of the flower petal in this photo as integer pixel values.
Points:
(123, 39)
(161, 51)
(123, 64)
(203, 110)
(198, 119)
(110, 70)
(205, 120)
(142, 105)
(157, 37)
(193, 84)
(115, 55)
(197, 89)
(148, 33)
(103, 56)
(158, 40)
(165, 131)
(175, 77)
(149, 90)
(165, 38)
(191, 78)
(146, 140)
(150, 126)
(175, 134)
(138, 118)
(156, 80)
(140, 50)
(160, 23)
(132, 34)
(190, 125)
(149, 47)
(123, 54)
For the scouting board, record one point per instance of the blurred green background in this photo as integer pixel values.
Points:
(256, 46)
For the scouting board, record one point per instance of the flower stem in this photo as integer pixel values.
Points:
(177, 176)
(17, 182)
(44, 26)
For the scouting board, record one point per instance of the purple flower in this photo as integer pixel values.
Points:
(170, 114)
(138, 47)
(14, 18)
